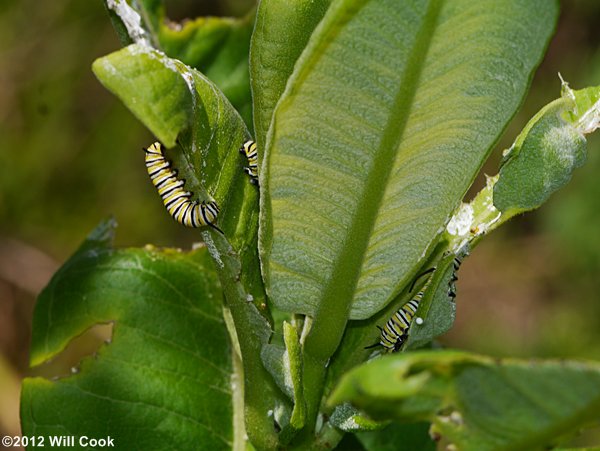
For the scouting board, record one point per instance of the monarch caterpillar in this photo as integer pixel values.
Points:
(249, 149)
(395, 331)
(176, 199)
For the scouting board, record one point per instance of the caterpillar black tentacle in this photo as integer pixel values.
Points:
(177, 201)
(458, 259)
(249, 149)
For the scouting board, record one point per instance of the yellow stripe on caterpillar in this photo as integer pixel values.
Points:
(189, 213)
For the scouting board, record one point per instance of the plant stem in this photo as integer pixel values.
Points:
(252, 331)
(237, 391)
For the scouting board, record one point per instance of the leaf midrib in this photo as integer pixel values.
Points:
(334, 308)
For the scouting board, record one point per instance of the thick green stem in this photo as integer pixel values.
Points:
(252, 331)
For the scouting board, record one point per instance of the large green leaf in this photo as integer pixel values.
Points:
(388, 116)
(163, 382)
(478, 403)
(282, 30)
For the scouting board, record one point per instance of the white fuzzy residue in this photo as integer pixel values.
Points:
(131, 19)
(212, 249)
(460, 223)
(590, 121)
(173, 65)
(249, 298)
(456, 417)
(189, 80)
(349, 424)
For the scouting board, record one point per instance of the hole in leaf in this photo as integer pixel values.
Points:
(67, 361)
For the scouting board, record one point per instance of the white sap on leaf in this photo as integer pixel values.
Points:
(456, 417)
(349, 424)
(212, 249)
(345, 418)
(461, 222)
(188, 77)
(131, 19)
(174, 65)
(590, 121)
(561, 139)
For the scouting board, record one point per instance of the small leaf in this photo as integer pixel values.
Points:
(476, 402)
(166, 309)
(346, 418)
(216, 46)
(546, 153)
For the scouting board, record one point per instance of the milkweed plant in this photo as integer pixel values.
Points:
(307, 311)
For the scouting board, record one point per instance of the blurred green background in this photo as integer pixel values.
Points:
(70, 155)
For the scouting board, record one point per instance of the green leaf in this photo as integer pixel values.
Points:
(282, 30)
(477, 403)
(398, 437)
(217, 47)
(178, 104)
(346, 418)
(144, 388)
(388, 116)
(128, 22)
(152, 86)
(546, 153)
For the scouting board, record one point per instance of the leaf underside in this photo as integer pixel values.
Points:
(390, 113)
